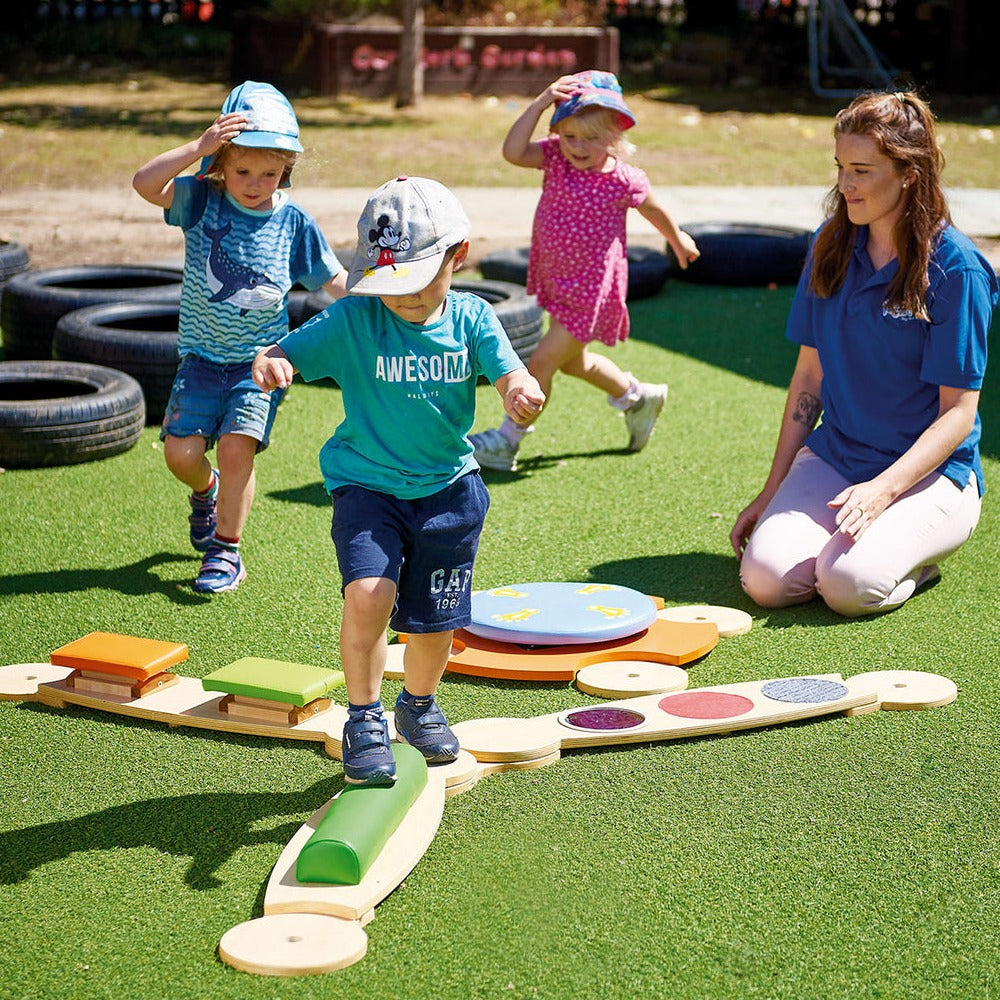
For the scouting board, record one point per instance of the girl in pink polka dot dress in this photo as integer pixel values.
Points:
(577, 265)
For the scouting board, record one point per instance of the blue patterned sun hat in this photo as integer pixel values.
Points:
(595, 88)
(271, 122)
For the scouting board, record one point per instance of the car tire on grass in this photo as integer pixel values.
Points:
(62, 413)
(743, 253)
(13, 260)
(33, 302)
(138, 338)
(647, 269)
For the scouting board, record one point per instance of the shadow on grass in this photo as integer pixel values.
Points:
(313, 494)
(705, 578)
(48, 115)
(737, 329)
(135, 578)
(538, 463)
(208, 827)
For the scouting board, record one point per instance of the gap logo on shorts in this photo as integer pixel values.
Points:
(447, 586)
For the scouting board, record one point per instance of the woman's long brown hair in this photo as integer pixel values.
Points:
(903, 127)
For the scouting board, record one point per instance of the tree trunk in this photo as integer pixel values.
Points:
(410, 81)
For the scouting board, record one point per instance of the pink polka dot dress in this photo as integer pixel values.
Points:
(577, 265)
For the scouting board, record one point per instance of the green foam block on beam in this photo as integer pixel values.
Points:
(359, 822)
(274, 680)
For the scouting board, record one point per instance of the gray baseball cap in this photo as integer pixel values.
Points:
(406, 228)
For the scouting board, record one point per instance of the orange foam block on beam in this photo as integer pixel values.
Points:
(120, 655)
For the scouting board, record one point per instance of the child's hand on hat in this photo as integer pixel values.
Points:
(562, 90)
(225, 128)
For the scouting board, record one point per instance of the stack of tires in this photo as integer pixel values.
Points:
(13, 260)
(732, 253)
(82, 372)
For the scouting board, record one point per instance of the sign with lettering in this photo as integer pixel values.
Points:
(333, 58)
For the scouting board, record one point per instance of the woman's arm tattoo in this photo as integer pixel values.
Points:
(807, 409)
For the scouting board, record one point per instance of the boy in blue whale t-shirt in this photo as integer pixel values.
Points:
(246, 244)
(408, 502)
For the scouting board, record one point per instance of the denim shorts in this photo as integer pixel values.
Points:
(426, 547)
(210, 399)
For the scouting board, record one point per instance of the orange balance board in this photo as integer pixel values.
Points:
(676, 643)
(120, 655)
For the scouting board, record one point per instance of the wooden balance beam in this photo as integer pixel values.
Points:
(315, 926)
(310, 925)
(313, 929)
(251, 697)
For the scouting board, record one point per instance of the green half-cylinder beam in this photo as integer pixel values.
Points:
(359, 822)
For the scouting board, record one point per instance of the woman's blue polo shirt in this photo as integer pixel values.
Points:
(882, 371)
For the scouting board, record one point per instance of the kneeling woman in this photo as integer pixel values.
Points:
(891, 315)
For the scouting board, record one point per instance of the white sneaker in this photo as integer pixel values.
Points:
(640, 419)
(494, 451)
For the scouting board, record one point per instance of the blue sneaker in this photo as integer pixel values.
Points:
(422, 724)
(202, 518)
(367, 752)
(221, 570)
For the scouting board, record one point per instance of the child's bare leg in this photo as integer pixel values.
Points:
(368, 603)
(185, 457)
(424, 661)
(558, 350)
(235, 453)
(599, 371)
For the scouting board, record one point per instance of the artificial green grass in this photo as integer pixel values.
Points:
(834, 857)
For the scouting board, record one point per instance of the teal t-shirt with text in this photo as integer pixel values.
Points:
(408, 390)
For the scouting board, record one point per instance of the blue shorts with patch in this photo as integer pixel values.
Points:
(426, 546)
(209, 399)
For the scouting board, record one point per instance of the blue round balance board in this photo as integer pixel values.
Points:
(555, 614)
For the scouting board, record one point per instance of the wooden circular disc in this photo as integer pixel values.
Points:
(20, 680)
(507, 739)
(729, 621)
(451, 791)
(901, 689)
(630, 678)
(293, 944)
(495, 767)
(464, 768)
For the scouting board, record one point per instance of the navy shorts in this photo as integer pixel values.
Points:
(425, 546)
(210, 399)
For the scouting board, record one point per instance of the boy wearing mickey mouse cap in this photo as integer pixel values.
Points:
(408, 502)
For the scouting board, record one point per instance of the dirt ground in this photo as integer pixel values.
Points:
(63, 228)
(110, 226)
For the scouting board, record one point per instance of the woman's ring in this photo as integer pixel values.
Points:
(860, 510)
